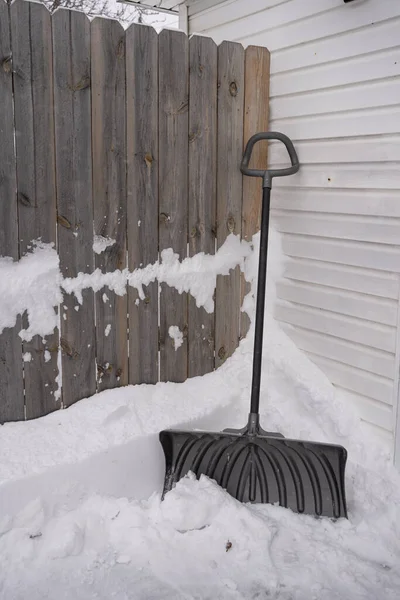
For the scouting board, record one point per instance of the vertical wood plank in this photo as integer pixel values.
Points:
(173, 191)
(11, 373)
(72, 109)
(229, 191)
(34, 124)
(109, 194)
(202, 189)
(256, 114)
(142, 196)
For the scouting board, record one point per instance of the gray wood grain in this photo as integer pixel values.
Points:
(229, 191)
(173, 191)
(34, 124)
(109, 194)
(142, 197)
(72, 109)
(11, 373)
(202, 189)
(256, 113)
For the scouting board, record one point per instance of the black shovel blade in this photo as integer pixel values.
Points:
(307, 477)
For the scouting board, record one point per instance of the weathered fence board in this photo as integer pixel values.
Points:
(11, 374)
(71, 50)
(34, 136)
(109, 195)
(142, 197)
(202, 189)
(256, 112)
(128, 143)
(229, 191)
(173, 192)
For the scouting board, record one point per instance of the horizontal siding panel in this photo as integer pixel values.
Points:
(364, 281)
(347, 227)
(344, 150)
(274, 16)
(371, 430)
(361, 357)
(353, 43)
(353, 304)
(371, 411)
(381, 337)
(170, 4)
(347, 72)
(371, 176)
(373, 121)
(369, 95)
(343, 19)
(357, 254)
(351, 202)
(202, 18)
(350, 378)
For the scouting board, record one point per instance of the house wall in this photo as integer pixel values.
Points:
(335, 90)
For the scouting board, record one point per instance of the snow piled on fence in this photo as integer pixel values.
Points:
(32, 284)
(36, 285)
(81, 515)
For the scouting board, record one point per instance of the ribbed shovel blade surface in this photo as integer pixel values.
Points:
(307, 477)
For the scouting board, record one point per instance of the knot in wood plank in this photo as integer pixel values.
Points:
(121, 49)
(82, 84)
(148, 158)
(6, 63)
(24, 200)
(231, 224)
(63, 222)
(104, 369)
(222, 353)
(165, 218)
(196, 133)
(233, 89)
(68, 349)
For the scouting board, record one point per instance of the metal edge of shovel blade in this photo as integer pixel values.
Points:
(307, 477)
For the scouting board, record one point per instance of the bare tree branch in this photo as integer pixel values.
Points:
(93, 8)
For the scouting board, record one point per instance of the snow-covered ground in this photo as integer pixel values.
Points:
(81, 515)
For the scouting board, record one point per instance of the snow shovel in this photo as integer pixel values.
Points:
(254, 465)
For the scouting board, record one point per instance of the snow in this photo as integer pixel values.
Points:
(36, 285)
(32, 284)
(100, 243)
(80, 509)
(196, 275)
(176, 334)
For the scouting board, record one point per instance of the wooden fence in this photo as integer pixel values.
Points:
(137, 137)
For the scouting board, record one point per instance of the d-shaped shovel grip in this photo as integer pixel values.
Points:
(268, 174)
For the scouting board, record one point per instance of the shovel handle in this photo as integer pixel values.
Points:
(268, 174)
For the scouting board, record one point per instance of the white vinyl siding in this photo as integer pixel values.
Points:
(335, 90)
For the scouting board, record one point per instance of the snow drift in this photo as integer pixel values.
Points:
(80, 509)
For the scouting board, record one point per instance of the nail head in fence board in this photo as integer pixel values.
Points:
(109, 195)
(11, 374)
(256, 114)
(142, 197)
(229, 191)
(71, 60)
(202, 189)
(173, 191)
(34, 124)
